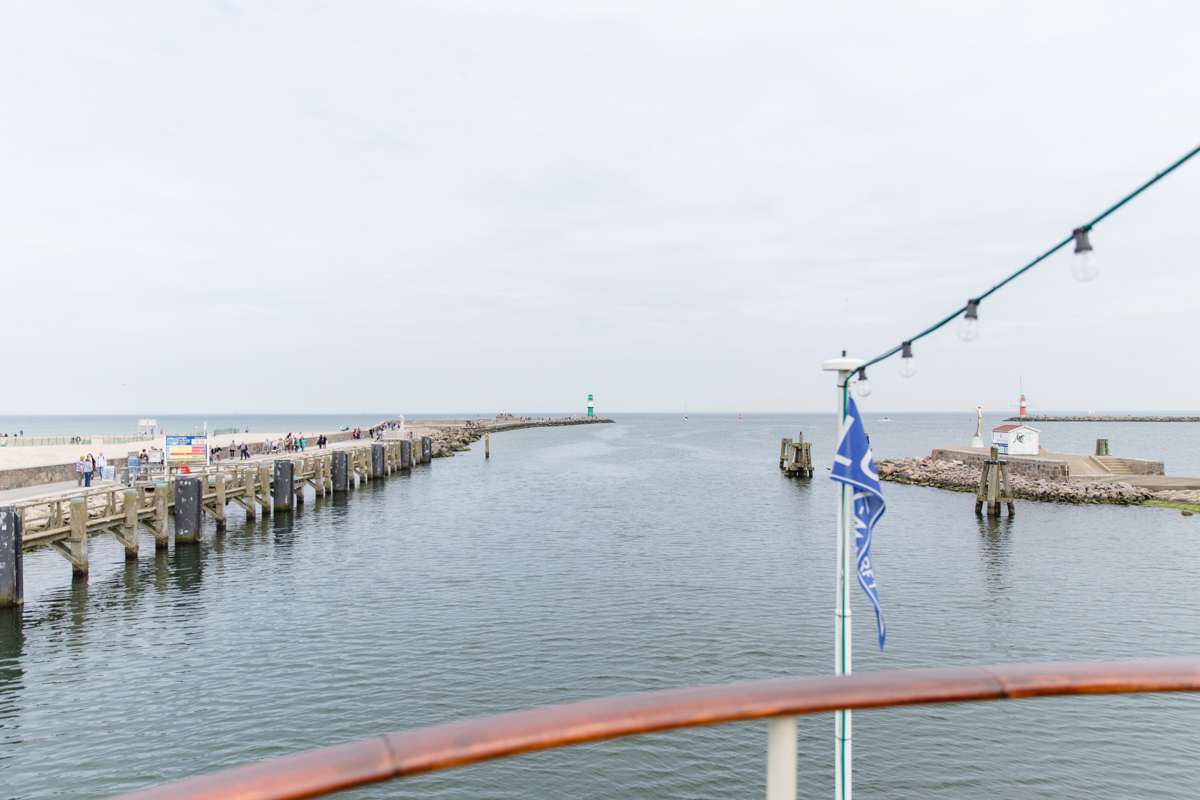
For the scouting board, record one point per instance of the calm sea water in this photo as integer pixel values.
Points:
(585, 562)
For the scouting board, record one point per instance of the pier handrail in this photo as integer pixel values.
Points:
(455, 744)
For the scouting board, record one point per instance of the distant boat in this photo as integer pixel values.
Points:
(685, 417)
(886, 419)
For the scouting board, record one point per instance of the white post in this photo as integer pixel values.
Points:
(782, 741)
(843, 762)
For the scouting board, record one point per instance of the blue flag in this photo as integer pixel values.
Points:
(853, 465)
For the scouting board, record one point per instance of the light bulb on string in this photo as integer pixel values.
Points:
(908, 367)
(862, 386)
(1086, 267)
(968, 329)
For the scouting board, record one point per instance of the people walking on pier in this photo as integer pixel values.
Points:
(245, 451)
(88, 467)
(101, 465)
(79, 472)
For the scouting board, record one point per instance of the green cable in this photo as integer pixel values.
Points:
(1036, 261)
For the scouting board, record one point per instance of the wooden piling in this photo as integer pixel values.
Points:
(129, 528)
(75, 548)
(159, 527)
(487, 447)
(406, 453)
(341, 471)
(249, 500)
(12, 559)
(264, 486)
(219, 502)
(283, 489)
(426, 449)
(189, 504)
(298, 480)
(378, 467)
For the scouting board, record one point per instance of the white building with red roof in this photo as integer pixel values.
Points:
(1016, 440)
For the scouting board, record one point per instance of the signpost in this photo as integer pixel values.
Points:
(187, 449)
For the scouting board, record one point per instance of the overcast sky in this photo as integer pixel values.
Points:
(386, 206)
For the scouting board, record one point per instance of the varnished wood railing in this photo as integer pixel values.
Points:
(457, 743)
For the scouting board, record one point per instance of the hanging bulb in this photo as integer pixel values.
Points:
(908, 367)
(862, 386)
(968, 329)
(1086, 267)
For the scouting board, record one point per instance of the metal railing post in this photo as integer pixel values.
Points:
(782, 746)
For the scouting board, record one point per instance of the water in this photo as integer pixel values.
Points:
(585, 562)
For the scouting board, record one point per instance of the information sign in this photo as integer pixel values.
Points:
(187, 449)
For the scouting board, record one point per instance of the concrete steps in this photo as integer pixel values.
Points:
(1114, 465)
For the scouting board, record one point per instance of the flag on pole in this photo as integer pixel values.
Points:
(854, 466)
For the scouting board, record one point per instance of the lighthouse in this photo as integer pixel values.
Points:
(591, 408)
(1024, 412)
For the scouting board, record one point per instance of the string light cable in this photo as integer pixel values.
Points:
(1085, 268)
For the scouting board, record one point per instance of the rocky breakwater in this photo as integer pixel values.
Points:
(1126, 418)
(449, 440)
(962, 477)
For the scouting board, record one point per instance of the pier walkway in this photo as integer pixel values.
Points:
(263, 485)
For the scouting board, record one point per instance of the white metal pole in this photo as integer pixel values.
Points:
(782, 742)
(843, 762)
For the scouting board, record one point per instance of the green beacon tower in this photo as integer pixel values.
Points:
(591, 408)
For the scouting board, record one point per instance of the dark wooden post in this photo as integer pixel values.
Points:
(378, 467)
(341, 471)
(406, 459)
(283, 492)
(982, 491)
(189, 492)
(426, 449)
(487, 447)
(12, 566)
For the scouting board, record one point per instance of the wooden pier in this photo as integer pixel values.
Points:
(66, 522)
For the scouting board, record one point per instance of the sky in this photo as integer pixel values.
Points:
(480, 206)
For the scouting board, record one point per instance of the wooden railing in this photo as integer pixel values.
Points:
(455, 744)
(66, 521)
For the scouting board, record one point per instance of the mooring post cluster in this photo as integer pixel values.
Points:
(995, 488)
(124, 512)
(795, 458)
